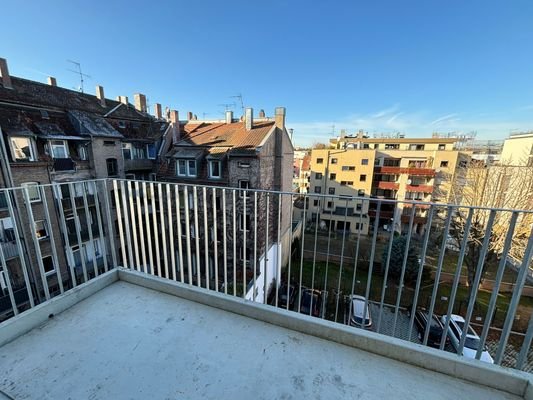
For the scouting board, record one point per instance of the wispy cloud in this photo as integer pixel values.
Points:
(449, 117)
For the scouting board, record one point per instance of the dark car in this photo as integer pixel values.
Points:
(435, 327)
(283, 299)
(312, 298)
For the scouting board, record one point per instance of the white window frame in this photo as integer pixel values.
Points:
(127, 146)
(241, 192)
(148, 152)
(27, 185)
(187, 168)
(14, 149)
(211, 167)
(55, 144)
(53, 264)
(83, 152)
(45, 228)
(244, 164)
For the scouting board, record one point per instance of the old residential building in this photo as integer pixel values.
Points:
(360, 168)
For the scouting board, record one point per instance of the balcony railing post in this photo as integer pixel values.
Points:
(255, 248)
(206, 238)
(6, 276)
(88, 218)
(120, 224)
(234, 244)
(78, 231)
(215, 236)
(101, 223)
(163, 230)
(188, 232)
(180, 233)
(171, 233)
(197, 238)
(127, 224)
(140, 221)
(225, 237)
(155, 225)
(133, 219)
(267, 234)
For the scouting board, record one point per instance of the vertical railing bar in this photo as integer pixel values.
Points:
(126, 224)
(234, 245)
(8, 278)
(110, 231)
(206, 238)
(477, 280)
(327, 252)
(526, 345)
(88, 218)
(515, 299)
(100, 223)
(244, 227)
(314, 256)
(64, 230)
(141, 225)
(197, 238)
(421, 269)
(387, 266)
(171, 233)
(267, 234)
(215, 236)
(371, 263)
(342, 261)
(155, 225)
(357, 248)
(224, 233)
(255, 247)
(439, 270)
(163, 230)
(180, 233)
(188, 232)
(22, 258)
(150, 259)
(50, 232)
(278, 252)
(291, 209)
(299, 292)
(133, 226)
(119, 223)
(456, 277)
(497, 282)
(404, 266)
(78, 230)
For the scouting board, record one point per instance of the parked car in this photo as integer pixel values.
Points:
(436, 329)
(356, 312)
(317, 303)
(283, 299)
(472, 342)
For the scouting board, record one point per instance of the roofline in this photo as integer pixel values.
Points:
(395, 140)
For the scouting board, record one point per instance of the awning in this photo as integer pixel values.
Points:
(188, 153)
(64, 137)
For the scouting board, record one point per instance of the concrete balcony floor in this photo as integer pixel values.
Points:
(127, 341)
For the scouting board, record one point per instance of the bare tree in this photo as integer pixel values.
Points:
(501, 186)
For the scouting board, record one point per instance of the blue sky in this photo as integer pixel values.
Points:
(383, 66)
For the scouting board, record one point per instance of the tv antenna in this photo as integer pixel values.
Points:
(79, 72)
(239, 96)
(227, 106)
(333, 130)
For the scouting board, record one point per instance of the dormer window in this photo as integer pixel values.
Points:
(22, 149)
(186, 168)
(215, 169)
(58, 149)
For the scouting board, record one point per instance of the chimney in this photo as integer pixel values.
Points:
(100, 95)
(140, 102)
(261, 113)
(280, 117)
(229, 117)
(123, 99)
(52, 81)
(195, 117)
(249, 118)
(4, 74)
(175, 121)
(189, 116)
(157, 111)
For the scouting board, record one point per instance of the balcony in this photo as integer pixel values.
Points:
(64, 164)
(9, 249)
(388, 185)
(419, 188)
(204, 295)
(138, 164)
(401, 170)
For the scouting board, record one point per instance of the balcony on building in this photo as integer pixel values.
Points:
(146, 319)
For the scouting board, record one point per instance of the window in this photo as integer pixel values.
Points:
(332, 176)
(112, 166)
(22, 149)
(215, 169)
(186, 168)
(82, 152)
(243, 164)
(109, 142)
(362, 178)
(243, 220)
(392, 146)
(48, 264)
(346, 183)
(330, 204)
(130, 176)
(192, 167)
(33, 191)
(318, 189)
(463, 164)
(150, 151)
(334, 161)
(361, 192)
(442, 147)
(331, 190)
(318, 175)
(348, 168)
(245, 185)
(40, 229)
(126, 151)
(444, 164)
(319, 160)
(416, 147)
(358, 207)
(316, 203)
(58, 149)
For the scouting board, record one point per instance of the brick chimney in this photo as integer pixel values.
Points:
(229, 117)
(157, 111)
(100, 95)
(123, 99)
(175, 121)
(280, 117)
(52, 81)
(249, 118)
(261, 113)
(189, 116)
(140, 102)
(4, 74)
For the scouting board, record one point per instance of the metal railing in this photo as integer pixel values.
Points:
(378, 271)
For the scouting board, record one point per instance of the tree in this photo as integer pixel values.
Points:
(412, 264)
(497, 186)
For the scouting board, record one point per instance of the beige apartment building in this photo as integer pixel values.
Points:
(362, 170)
(518, 150)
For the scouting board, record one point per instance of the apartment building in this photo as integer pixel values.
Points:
(252, 153)
(53, 135)
(301, 171)
(363, 169)
(518, 150)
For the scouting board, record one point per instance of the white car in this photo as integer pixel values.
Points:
(356, 312)
(472, 341)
